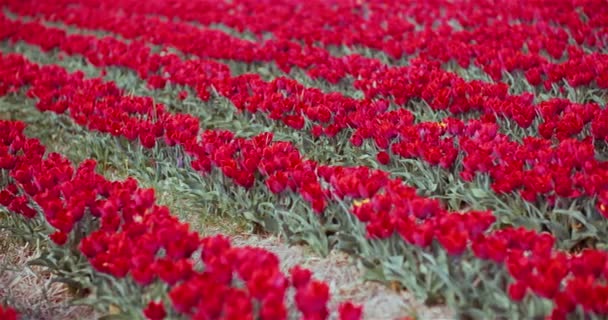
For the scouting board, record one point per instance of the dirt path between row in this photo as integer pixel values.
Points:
(27, 289)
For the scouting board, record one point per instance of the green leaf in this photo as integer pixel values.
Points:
(347, 242)
(394, 264)
(443, 275)
(249, 215)
(374, 274)
(475, 313)
(501, 300)
(43, 262)
(575, 214)
(478, 193)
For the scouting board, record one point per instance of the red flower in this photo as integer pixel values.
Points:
(22, 208)
(564, 302)
(156, 82)
(422, 234)
(8, 313)
(118, 267)
(543, 244)
(454, 241)
(7, 162)
(294, 121)
(418, 234)
(383, 157)
(316, 131)
(300, 276)
(110, 221)
(266, 280)
(312, 299)
(272, 309)
(545, 286)
(144, 198)
(168, 271)
(518, 265)
(182, 95)
(60, 238)
(534, 76)
(184, 297)
(356, 140)
(143, 275)
(382, 142)
(240, 306)
(214, 246)
(557, 314)
(277, 182)
(318, 205)
(6, 198)
(155, 311)
(245, 179)
(588, 262)
(349, 311)
(148, 140)
(517, 290)
(492, 247)
(202, 164)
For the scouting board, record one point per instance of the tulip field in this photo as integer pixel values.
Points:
(456, 150)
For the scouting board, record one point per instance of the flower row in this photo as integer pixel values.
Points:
(385, 205)
(373, 24)
(385, 26)
(535, 168)
(139, 239)
(422, 79)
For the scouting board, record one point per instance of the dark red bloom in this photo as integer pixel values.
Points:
(312, 298)
(517, 290)
(300, 276)
(349, 311)
(277, 182)
(182, 95)
(454, 241)
(60, 238)
(155, 311)
(148, 140)
(383, 157)
(7, 313)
